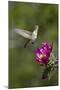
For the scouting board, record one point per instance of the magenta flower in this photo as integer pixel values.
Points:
(43, 53)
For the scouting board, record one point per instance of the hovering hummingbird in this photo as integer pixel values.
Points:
(31, 36)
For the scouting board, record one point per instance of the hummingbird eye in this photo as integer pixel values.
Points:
(32, 42)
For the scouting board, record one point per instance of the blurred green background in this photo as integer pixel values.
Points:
(23, 70)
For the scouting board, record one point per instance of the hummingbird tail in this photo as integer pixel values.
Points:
(26, 43)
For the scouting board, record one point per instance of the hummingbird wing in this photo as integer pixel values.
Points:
(35, 32)
(24, 33)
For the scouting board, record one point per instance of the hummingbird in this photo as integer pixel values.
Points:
(31, 36)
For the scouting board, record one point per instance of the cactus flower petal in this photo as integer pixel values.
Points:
(43, 53)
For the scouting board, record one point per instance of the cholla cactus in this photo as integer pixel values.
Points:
(44, 55)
